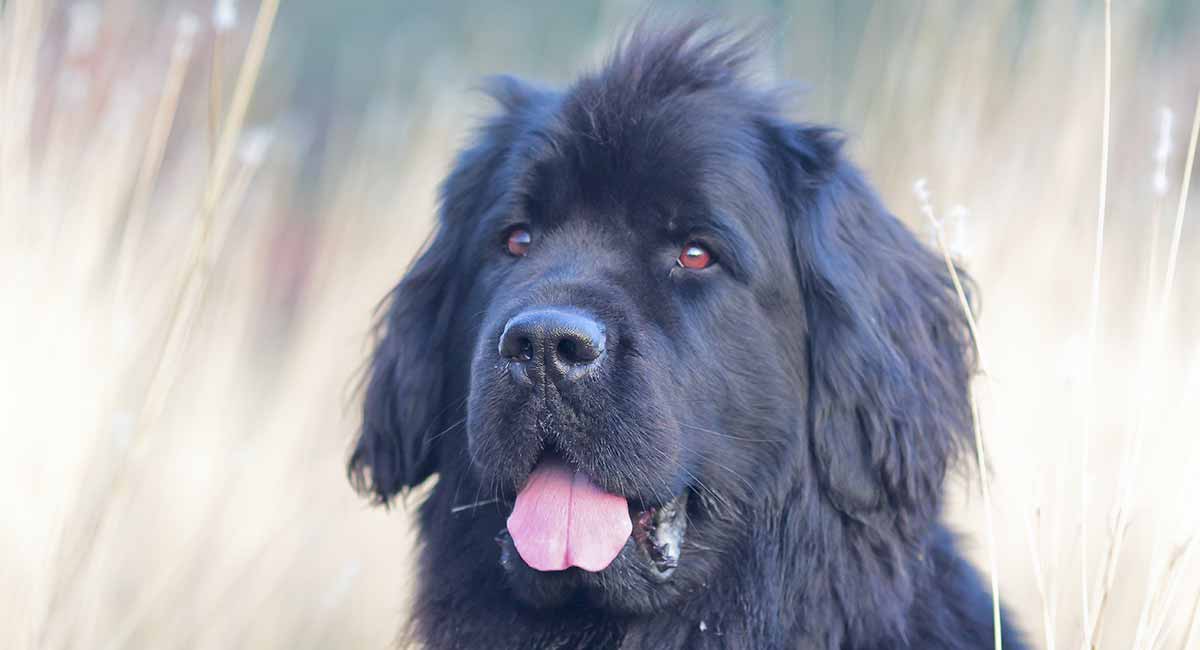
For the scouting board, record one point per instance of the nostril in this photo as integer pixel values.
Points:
(568, 350)
(516, 344)
(524, 350)
(578, 350)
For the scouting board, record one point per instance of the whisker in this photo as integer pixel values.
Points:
(701, 485)
(496, 494)
(725, 435)
(458, 483)
(645, 475)
(478, 483)
(448, 429)
(710, 459)
(472, 506)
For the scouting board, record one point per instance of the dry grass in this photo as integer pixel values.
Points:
(985, 479)
(188, 287)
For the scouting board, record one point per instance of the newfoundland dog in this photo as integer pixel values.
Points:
(684, 381)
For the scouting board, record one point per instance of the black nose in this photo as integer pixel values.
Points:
(562, 344)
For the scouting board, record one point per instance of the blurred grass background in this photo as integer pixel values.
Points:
(188, 273)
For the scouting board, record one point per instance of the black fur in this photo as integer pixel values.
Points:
(809, 390)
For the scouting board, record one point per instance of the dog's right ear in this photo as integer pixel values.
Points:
(405, 402)
(890, 353)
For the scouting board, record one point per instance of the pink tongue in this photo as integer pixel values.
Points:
(561, 519)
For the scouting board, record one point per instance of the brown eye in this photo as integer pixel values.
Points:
(695, 256)
(518, 242)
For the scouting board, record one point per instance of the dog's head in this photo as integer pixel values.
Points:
(654, 317)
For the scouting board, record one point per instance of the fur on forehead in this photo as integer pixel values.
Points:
(669, 117)
(652, 68)
(663, 101)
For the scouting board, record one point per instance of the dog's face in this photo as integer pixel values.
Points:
(638, 323)
(653, 314)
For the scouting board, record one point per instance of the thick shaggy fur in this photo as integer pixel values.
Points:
(809, 390)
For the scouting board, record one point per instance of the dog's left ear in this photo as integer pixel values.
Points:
(405, 408)
(403, 401)
(890, 354)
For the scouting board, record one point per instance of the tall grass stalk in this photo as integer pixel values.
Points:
(1148, 364)
(1145, 625)
(977, 425)
(1032, 528)
(1154, 325)
(1191, 640)
(1180, 215)
(190, 290)
(193, 285)
(1093, 330)
(224, 19)
(1168, 590)
(156, 146)
(23, 20)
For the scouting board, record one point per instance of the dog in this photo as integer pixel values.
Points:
(683, 379)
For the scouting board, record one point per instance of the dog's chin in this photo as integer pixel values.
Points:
(642, 578)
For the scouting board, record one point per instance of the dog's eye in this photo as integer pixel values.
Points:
(517, 243)
(695, 256)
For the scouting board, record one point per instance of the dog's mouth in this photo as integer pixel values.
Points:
(561, 519)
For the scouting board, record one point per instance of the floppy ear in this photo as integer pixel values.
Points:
(405, 403)
(890, 354)
(405, 378)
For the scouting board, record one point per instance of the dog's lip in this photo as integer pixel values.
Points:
(660, 532)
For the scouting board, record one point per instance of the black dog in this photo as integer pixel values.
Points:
(685, 382)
